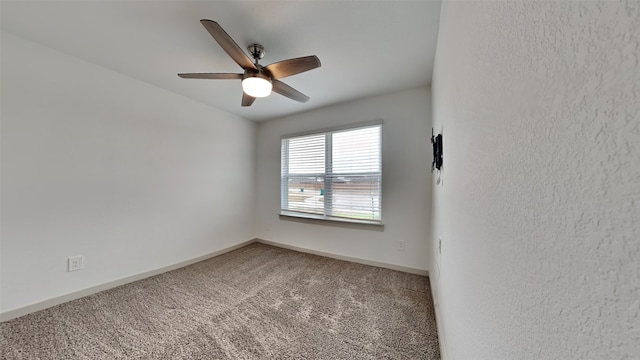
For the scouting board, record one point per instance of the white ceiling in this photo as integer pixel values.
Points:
(366, 47)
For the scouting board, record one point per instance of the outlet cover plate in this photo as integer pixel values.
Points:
(401, 245)
(75, 263)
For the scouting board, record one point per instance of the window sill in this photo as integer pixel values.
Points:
(315, 218)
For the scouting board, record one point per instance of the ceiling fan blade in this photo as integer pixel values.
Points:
(211, 76)
(290, 67)
(286, 90)
(247, 100)
(227, 44)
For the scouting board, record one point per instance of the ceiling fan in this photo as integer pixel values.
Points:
(257, 80)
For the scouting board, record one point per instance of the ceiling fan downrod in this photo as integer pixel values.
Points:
(256, 51)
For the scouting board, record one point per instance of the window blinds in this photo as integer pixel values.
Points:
(334, 174)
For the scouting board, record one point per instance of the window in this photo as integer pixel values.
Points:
(335, 175)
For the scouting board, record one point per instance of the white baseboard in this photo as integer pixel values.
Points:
(436, 309)
(41, 305)
(347, 258)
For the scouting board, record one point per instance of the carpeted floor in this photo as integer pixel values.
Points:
(257, 302)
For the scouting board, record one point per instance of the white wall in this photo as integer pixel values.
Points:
(539, 211)
(406, 198)
(95, 163)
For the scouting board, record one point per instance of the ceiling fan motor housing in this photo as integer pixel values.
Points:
(261, 73)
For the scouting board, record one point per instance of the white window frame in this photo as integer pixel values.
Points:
(284, 187)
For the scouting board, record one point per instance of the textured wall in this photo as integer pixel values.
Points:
(539, 209)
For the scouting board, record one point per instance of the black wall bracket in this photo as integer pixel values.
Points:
(437, 151)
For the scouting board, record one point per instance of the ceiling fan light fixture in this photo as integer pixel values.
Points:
(257, 85)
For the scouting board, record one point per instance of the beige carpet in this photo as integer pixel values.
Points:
(257, 302)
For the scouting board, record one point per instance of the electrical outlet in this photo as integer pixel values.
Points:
(401, 245)
(75, 263)
(439, 246)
